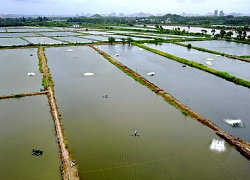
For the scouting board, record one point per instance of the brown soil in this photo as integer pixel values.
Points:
(242, 146)
(69, 171)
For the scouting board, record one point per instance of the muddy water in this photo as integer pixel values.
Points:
(170, 145)
(26, 124)
(210, 96)
(14, 67)
(234, 67)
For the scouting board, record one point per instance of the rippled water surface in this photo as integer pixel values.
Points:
(100, 112)
(212, 97)
(26, 124)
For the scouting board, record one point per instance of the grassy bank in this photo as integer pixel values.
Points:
(220, 74)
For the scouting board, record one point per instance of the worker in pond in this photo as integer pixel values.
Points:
(136, 133)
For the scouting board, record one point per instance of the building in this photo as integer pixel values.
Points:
(215, 12)
(221, 13)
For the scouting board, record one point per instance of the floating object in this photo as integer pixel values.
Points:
(106, 96)
(117, 54)
(184, 65)
(31, 54)
(145, 43)
(31, 74)
(151, 74)
(70, 50)
(88, 74)
(208, 63)
(218, 145)
(217, 55)
(210, 59)
(140, 49)
(234, 122)
(135, 134)
(37, 152)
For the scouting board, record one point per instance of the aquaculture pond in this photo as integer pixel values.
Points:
(74, 39)
(234, 67)
(29, 29)
(102, 107)
(15, 64)
(232, 48)
(12, 42)
(43, 40)
(26, 124)
(210, 96)
(59, 33)
(17, 34)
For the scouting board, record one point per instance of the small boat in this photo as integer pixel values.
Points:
(140, 49)
(69, 50)
(217, 55)
(151, 74)
(117, 54)
(31, 74)
(210, 59)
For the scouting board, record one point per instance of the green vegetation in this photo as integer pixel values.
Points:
(223, 75)
(189, 46)
(111, 40)
(18, 95)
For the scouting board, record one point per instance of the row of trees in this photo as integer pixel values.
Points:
(97, 19)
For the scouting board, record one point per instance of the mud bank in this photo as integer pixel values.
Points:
(242, 146)
(68, 167)
(23, 95)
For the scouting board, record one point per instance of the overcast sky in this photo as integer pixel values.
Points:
(72, 7)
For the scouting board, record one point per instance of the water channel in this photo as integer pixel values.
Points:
(101, 112)
(210, 96)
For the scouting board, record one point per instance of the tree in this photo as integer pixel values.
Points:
(222, 33)
(129, 39)
(213, 31)
(239, 32)
(229, 34)
(123, 40)
(111, 40)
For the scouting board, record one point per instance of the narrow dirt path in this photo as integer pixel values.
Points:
(68, 169)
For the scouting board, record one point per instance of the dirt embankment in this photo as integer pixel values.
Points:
(242, 146)
(68, 168)
(23, 95)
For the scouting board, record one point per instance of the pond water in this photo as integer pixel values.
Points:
(198, 29)
(15, 64)
(26, 124)
(99, 127)
(12, 42)
(210, 96)
(232, 48)
(17, 34)
(236, 68)
(42, 40)
(29, 29)
(74, 39)
(59, 33)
